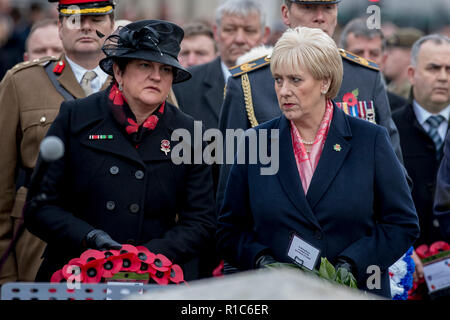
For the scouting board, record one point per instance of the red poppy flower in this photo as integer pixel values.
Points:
(161, 263)
(130, 262)
(218, 271)
(90, 255)
(58, 277)
(116, 96)
(73, 270)
(133, 127)
(422, 251)
(111, 266)
(176, 274)
(151, 122)
(147, 258)
(92, 272)
(438, 246)
(161, 278)
(350, 99)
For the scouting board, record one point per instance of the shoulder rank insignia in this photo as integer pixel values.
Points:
(359, 60)
(59, 67)
(27, 64)
(249, 66)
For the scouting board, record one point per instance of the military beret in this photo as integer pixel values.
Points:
(404, 37)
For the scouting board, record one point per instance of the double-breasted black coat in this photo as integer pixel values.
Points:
(136, 195)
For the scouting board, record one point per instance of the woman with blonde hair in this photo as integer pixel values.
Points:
(340, 191)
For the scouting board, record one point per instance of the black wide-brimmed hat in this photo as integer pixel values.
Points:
(84, 7)
(150, 40)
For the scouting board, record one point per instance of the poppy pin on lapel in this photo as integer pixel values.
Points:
(165, 146)
(337, 147)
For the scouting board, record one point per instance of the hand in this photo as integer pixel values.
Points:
(98, 239)
(264, 260)
(418, 273)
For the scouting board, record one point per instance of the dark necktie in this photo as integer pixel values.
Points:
(435, 122)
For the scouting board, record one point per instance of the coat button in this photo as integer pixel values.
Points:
(110, 205)
(114, 170)
(318, 234)
(436, 223)
(139, 175)
(134, 208)
(43, 119)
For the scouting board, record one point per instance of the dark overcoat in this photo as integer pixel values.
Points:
(358, 204)
(419, 155)
(136, 195)
(202, 96)
(442, 197)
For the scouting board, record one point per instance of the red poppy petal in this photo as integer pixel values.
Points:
(90, 255)
(145, 255)
(438, 246)
(111, 266)
(128, 248)
(161, 278)
(92, 272)
(130, 262)
(176, 274)
(422, 251)
(58, 277)
(218, 271)
(73, 269)
(161, 263)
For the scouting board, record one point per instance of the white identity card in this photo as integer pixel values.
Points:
(302, 253)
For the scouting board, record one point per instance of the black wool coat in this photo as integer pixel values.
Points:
(136, 195)
(419, 155)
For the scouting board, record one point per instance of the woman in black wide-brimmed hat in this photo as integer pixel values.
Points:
(116, 182)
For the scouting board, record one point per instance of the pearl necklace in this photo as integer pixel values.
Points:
(307, 142)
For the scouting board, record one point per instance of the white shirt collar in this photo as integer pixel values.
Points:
(226, 72)
(422, 115)
(79, 72)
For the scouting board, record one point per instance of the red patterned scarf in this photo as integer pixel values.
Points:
(127, 120)
(307, 163)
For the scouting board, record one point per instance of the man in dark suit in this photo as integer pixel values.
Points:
(239, 26)
(442, 198)
(423, 124)
(250, 98)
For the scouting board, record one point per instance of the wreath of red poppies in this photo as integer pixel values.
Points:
(419, 289)
(94, 266)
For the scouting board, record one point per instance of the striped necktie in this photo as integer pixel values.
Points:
(435, 122)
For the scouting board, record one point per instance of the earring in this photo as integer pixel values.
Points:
(120, 87)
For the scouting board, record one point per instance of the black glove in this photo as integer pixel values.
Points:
(346, 264)
(98, 239)
(264, 260)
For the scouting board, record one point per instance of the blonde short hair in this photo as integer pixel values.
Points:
(313, 49)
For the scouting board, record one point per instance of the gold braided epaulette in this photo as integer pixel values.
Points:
(249, 66)
(359, 60)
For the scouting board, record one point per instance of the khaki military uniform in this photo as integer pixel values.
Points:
(29, 103)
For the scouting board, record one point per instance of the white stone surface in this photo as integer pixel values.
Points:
(267, 284)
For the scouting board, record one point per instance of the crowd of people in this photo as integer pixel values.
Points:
(361, 132)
